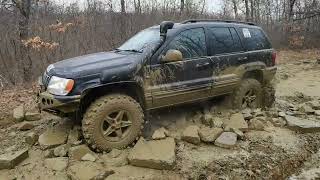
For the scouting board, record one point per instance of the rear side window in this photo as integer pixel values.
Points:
(255, 39)
(224, 40)
(236, 40)
(191, 43)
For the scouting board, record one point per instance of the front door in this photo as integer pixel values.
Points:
(179, 82)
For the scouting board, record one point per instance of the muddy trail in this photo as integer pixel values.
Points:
(196, 141)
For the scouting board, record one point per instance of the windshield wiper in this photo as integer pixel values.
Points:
(130, 50)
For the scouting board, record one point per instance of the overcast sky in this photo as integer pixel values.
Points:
(212, 5)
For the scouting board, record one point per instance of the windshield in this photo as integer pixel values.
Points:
(141, 41)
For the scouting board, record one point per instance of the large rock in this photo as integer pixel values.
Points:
(247, 114)
(24, 126)
(256, 124)
(278, 122)
(216, 122)
(304, 125)
(74, 135)
(236, 121)
(207, 119)
(18, 113)
(314, 104)
(116, 158)
(160, 133)
(32, 116)
(61, 151)
(10, 160)
(77, 152)
(209, 134)
(239, 133)
(158, 154)
(103, 175)
(49, 153)
(88, 157)
(53, 137)
(56, 164)
(306, 109)
(31, 138)
(85, 170)
(258, 112)
(115, 153)
(191, 135)
(226, 140)
(282, 114)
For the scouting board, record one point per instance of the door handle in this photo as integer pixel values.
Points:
(202, 65)
(242, 58)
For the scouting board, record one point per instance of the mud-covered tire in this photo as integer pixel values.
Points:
(268, 96)
(94, 119)
(243, 88)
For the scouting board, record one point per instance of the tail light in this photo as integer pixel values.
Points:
(274, 58)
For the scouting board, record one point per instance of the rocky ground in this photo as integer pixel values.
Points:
(206, 141)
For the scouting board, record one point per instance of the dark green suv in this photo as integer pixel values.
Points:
(165, 65)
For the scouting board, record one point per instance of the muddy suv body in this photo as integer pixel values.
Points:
(165, 65)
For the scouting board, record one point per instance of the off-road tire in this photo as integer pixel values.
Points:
(239, 93)
(94, 116)
(268, 95)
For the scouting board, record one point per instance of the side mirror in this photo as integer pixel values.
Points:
(172, 55)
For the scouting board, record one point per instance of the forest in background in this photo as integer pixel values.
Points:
(36, 33)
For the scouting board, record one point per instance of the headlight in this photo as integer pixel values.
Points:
(60, 86)
(51, 66)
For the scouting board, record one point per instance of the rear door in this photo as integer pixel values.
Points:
(257, 44)
(226, 53)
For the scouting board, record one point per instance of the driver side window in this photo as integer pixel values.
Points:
(191, 43)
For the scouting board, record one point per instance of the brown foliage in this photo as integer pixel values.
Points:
(60, 27)
(38, 44)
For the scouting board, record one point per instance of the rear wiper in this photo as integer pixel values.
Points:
(130, 50)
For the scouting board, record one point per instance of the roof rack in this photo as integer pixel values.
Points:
(215, 20)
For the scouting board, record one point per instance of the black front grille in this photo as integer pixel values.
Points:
(45, 79)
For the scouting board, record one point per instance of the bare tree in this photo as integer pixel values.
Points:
(123, 6)
(137, 6)
(235, 9)
(246, 3)
(182, 4)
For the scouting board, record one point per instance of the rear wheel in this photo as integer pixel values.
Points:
(248, 95)
(269, 95)
(112, 121)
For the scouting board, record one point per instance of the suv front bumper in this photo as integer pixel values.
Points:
(58, 104)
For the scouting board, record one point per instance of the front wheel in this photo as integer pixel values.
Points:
(248, 95)
(112, 121)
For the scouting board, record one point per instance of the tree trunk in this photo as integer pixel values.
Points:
(203, 6)
(290, 13)
(182, 6)
(252, 9)
(24, 62)
(24, 9)
(247, 10)
(123, 6)
(137, 6)
(235, 9)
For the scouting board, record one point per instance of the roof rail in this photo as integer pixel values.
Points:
(215, 20)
